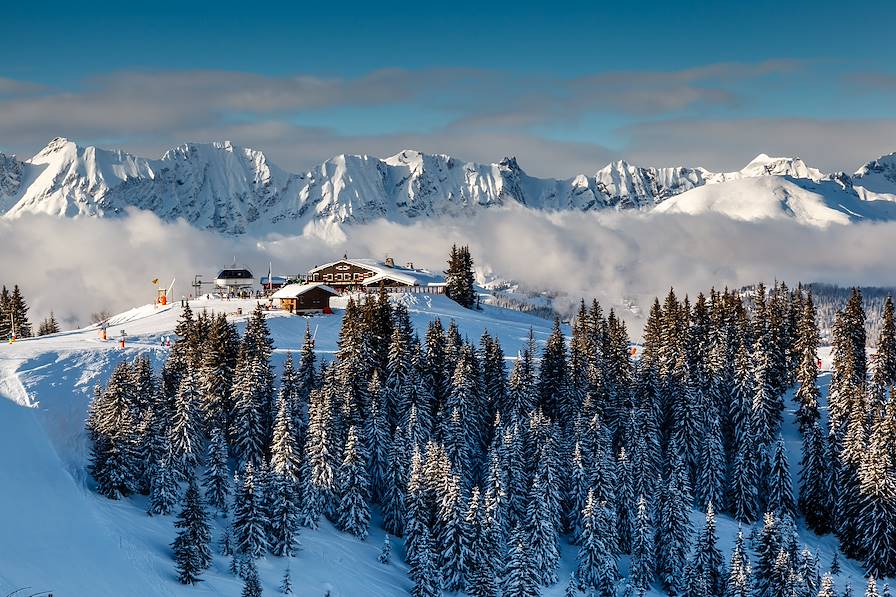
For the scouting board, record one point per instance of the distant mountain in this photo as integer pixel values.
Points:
(234, 190)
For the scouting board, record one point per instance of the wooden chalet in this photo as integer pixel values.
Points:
(369, 274)
(303, 299)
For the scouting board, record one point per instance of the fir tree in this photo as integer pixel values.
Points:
(17, 309)
(807, 394)
(286, 582)
(520, 578)
(251, 584)
(767, 545)
(112, 428)
(191, 547)
(423, 571)
(674, 529)
(249, 520)
(739, 573)
(707, 563)
(643, 568)
(186, 428)
(835, 563)
(48, 326)
(878, 515)
(543, 546)
(459, 277)
(780, 489)
(827, 586)
(814, 497)
(596, 569)
(353, 510)
(385, 556)
(164, 491)
(711, 465)
(217, 476)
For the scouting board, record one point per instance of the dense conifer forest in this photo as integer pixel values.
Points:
(481, 466)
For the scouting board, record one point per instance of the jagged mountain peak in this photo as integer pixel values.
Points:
(233, 189)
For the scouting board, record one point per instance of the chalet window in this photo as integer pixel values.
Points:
(359, 276)
(328, 277)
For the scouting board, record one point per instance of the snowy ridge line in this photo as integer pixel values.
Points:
(231, 189)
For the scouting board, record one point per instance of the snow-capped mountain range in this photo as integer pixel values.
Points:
(232, 189)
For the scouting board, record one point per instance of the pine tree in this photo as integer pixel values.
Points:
(217, 476)
(835, 563)
(767, 545)
(878, 512)
(112, 428)
(739, 573)
(186, 428)
(353, 510)
(884, 373)
(251, 584)
(283, 514)
(286, 583)
(385, 556)
(459, 277)
(191, 547)
(543, 545)
(814, 498)
(871, 588)
(164, 491)
(625, 503)
(674, 528)
(807, 394)
(596, 569)
(48, 326)
(319, 482)
(249, 520)
(780, 489)
(643, 568)
(520, 578)
(423, 571)
(711, 465)
(707, 563)
(225, 545)
(376, 432)
(18, 308)
(827, 586)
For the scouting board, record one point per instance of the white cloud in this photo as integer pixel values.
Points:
(610, 256)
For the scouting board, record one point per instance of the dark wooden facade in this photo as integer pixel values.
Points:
(342, 274)
(313, 300)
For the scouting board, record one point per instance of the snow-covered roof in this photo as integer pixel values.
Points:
(405, 275)
(411, 277)
(294, 290)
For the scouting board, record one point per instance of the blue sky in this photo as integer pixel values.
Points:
(564, 86)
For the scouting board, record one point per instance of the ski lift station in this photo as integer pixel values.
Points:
(234, 280)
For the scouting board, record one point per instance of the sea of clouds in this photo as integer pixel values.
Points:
(78, 267)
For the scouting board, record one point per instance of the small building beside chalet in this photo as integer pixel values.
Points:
(369, 274)
(303, 299)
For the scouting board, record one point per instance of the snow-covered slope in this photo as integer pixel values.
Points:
(232, 189)
(61, 536)
(812, 203)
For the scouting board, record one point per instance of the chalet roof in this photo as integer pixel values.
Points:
(294, 290)
(412, 277)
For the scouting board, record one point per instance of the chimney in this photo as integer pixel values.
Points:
(390, 262)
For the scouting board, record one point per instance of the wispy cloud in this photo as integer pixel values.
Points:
(692, 116)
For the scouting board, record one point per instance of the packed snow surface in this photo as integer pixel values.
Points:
(59, 535)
